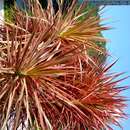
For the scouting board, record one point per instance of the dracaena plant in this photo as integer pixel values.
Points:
(47, 79)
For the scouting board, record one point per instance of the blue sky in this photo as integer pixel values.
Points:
(118, 17)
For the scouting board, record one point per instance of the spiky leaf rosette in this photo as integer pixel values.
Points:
(74, 25)
(45, 81)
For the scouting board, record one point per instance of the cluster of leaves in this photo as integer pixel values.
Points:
(47, 79)
(8, 5)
